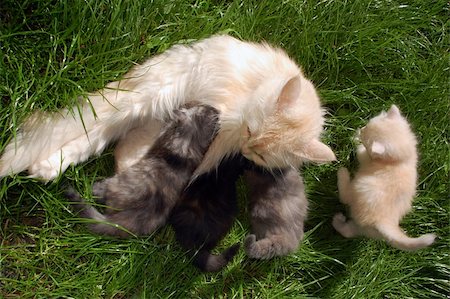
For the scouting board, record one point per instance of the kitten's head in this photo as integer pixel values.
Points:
(290, 135)
(388, 137)
(192, 127)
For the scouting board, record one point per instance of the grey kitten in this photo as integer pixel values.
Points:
(278, 209)
(141, 197)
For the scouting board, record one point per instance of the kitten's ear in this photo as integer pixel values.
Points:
(318, 152)
(393, 112)
(377, 149)
(289, 93)
(179, 114)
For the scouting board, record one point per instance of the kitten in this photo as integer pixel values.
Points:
(257, 88)
(278, 209)
(383, 188)
(206, 213)
(140, 198)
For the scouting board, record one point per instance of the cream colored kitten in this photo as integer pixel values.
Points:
(383, 188)
(268, 111)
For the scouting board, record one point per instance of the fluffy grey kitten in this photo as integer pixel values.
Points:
(278, 209)
(140, 198)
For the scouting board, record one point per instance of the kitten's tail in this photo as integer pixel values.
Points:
(395, 236)
(208, 262)
(105, 226)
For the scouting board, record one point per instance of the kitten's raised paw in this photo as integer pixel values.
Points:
(343, 173)
(338, 220)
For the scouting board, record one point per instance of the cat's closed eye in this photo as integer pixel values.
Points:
(261, 157)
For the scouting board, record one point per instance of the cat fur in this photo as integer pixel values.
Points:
(256, 87)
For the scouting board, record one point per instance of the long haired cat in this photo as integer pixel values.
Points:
(258, 90)
(278, 209)
(382, 190)
(206, 213)
(141, 197)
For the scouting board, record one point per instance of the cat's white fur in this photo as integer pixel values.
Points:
(384, 186)
(250, 84)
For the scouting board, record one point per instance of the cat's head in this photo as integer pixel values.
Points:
(290, 134)
(388, 137)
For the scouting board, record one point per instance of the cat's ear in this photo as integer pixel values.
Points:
(393, 112)
(377, 149)
(318, 152)
(290, 93)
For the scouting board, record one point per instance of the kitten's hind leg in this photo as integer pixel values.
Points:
(344, 185)
(122, 224)
(347, 228)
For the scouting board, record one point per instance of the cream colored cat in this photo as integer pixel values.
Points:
(383, 188)
(268, 110)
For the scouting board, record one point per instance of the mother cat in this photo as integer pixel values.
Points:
(268, 111)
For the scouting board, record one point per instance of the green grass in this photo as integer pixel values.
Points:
(362, 55)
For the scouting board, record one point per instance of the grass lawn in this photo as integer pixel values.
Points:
(362, 55)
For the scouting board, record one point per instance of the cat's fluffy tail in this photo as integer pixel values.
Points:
(105, 226)
(208, 262)
(47, 143)
(397, 238)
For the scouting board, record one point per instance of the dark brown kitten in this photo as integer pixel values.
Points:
(206, 213)
(140, 198)
(278, 209)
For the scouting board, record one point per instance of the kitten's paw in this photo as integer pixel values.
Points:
(262, 249)
(99, 188)
(357, 137)
(339, 220)
(343, 174)
(346, 227)
(249, 240)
